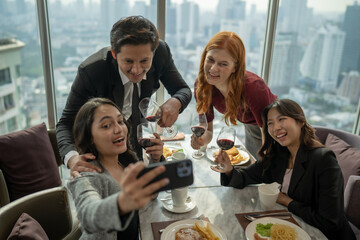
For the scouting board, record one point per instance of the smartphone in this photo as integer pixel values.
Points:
(180, 173)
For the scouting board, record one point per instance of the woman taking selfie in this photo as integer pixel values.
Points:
(311, 179)
(107, 202)
(224, 84)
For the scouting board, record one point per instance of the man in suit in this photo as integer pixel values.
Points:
(126, 72)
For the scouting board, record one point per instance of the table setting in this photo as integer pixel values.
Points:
(206, 201)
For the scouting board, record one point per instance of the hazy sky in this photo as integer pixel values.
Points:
(317, 5)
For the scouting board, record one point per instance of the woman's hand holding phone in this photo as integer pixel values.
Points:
(136, 191)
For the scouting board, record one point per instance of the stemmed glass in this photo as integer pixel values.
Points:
(225, 140)
(145, 134)
(151, 110)
(198, 126)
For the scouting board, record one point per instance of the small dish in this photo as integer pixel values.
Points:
(168, 205)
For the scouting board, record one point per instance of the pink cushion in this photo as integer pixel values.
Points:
(28, 161)
(27, 228)
(347, 156)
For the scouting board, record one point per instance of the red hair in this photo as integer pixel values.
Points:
(235, 99)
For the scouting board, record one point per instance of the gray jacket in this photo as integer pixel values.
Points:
(95, 196)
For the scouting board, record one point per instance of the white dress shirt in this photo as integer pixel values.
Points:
(127, 105)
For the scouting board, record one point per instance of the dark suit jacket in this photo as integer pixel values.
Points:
(316, 186)
(98, 76)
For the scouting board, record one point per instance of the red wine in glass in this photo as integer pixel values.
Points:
(146, 142)
(225, 144)
(153, 118)
(198, 130)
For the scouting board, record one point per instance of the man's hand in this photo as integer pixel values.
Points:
(156, 151)
(170, 112)
(79, 164)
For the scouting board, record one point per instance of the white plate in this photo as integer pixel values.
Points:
(168, 205)
(169, 231)
(251, 228)
(176, 147)
(210, 152)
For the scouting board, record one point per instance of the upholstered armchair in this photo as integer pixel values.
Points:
(346, 147)
(48, 214)
(29, 174)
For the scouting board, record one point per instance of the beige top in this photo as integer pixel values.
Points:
(286, 180)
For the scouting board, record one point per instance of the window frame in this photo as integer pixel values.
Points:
(44, 28)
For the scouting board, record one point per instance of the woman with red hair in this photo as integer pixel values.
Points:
(224, 84)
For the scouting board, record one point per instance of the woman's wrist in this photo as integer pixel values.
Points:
(229, 173)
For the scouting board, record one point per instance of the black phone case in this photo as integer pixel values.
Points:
(180, 173)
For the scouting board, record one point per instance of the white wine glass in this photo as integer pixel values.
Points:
(198, 126)
(151, 111)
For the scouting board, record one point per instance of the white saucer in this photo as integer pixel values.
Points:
(189, 205)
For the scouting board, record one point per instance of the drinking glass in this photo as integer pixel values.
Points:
(151, 111)
(225, 140)
(145, 134)
(198, 126)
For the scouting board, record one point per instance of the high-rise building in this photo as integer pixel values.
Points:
(285, 63)
(351, 54)
(232, 9)
(322, 58)
(152, 11)
(294, 15)
(350, 86)
(105, 15)
(10, 110)
(188, 14)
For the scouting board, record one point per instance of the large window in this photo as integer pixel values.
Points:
(23, 96)
(5, 76)
(76, 34)
(191, 24)
(316, 59)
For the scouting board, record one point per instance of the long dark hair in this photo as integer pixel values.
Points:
(290, 108)
(82, 130)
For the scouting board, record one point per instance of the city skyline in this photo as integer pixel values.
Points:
(207, 5)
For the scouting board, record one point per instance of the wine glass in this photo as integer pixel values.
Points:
(225, 140)
(145, 134)
(198, 126)
(151, 111)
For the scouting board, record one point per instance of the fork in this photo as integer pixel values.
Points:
(250, 218)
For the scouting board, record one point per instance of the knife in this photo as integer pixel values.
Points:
(270, 214)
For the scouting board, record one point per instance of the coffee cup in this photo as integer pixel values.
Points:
(179, 196)
(177, 156)
(268, 194)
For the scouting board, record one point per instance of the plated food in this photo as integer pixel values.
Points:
(274, 229)
(168, 151)
(192, 229)
(237, 156)
(196, 232)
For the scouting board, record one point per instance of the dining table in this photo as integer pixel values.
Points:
(219, 204)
